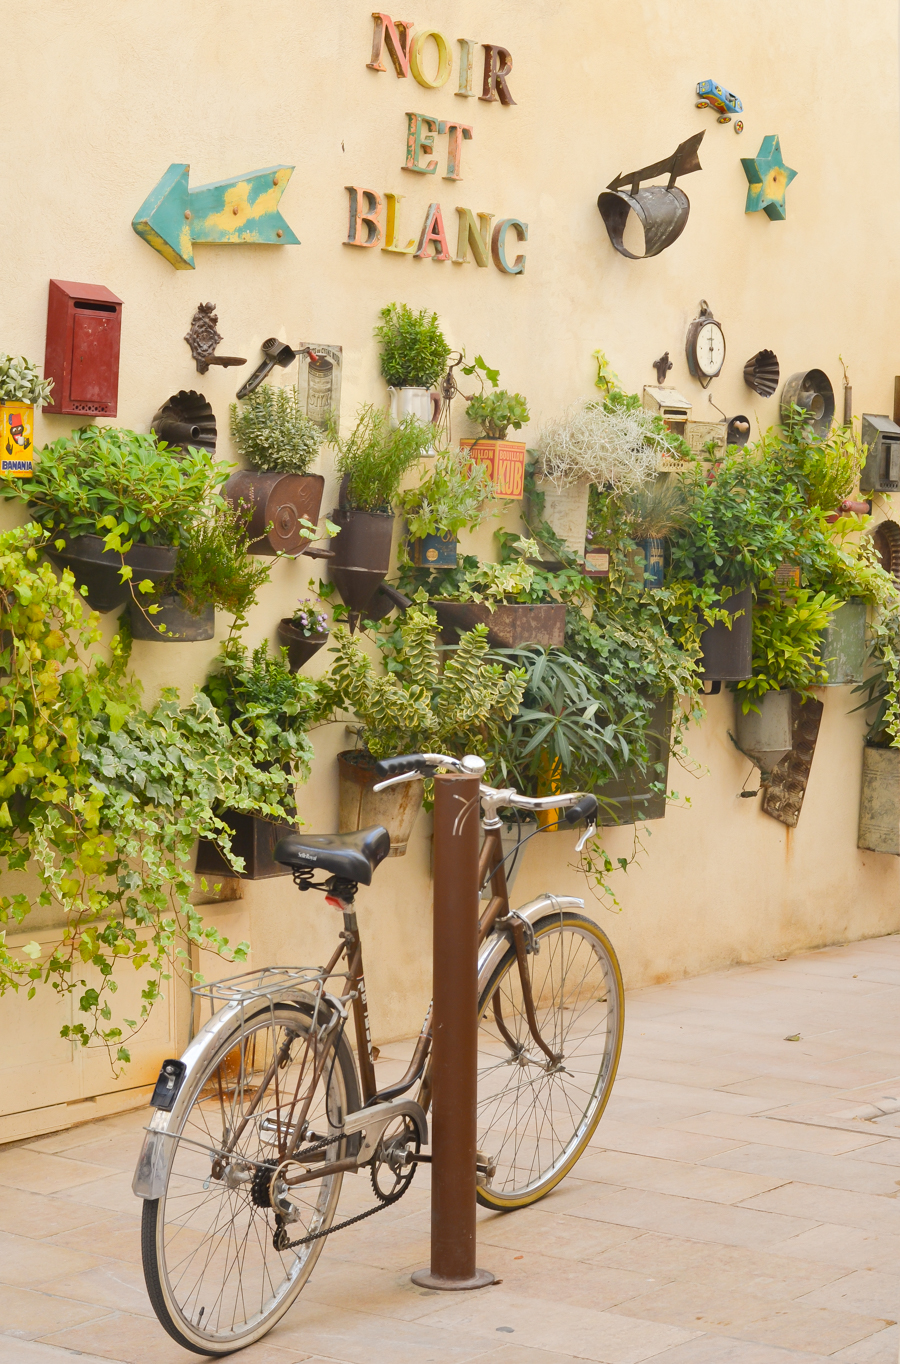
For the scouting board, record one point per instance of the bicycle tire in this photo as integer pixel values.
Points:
(232, 1253)
(514, 1111)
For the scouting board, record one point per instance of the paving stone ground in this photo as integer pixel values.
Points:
(740, 1204)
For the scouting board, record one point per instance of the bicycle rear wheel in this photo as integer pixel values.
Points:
(214, 1278)
(535, 1115)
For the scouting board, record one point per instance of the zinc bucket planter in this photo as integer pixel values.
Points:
(359, 807)
(97, 568)
(628, 798)
(422, 403)
(509, 626)
(300, 647)
(727, 653)
(766, 735)
(276, 503)
(843, 645)
(182, 625)
(362, 554)
(879, 805)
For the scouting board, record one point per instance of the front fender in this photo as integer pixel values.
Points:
(495, 944)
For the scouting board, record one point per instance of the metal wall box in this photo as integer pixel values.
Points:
(671, 405)
(84, 325)
(881, 471)
(879, 806)
(630, 798)
(699, 434)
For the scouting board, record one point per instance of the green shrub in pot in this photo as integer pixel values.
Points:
(374, 457)
(494, 410)
(787, 632)
(272, 431)
(414, 351)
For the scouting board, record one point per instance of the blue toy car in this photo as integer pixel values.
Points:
(713, 96)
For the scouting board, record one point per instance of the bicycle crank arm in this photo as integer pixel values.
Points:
(377, 1117)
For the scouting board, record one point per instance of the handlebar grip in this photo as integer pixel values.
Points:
(585, 809)
(404, 762)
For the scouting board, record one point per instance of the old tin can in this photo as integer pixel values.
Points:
(16, 440)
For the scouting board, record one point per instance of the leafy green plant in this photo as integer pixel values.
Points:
(263, 703)
(413, 349)
(450, 497)
(787, 633)
(309, 619)
(272, 431)
(881, 688)
(20, 382)
(656, 509)
(104, 799)
(826, 469)
(121, 484)
(497, 410)
(428, 699)
(374, 457)
(510, 580)
(214, 566)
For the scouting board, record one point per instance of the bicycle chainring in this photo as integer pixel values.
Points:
(391, 1169)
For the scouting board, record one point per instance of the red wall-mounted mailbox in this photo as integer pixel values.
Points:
(84, 323)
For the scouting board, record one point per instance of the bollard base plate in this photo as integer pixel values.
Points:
(423, 1278)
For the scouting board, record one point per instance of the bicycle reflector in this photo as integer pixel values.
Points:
(167, 1086)
(585, 809)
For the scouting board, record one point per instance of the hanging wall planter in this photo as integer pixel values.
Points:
(98, 569)
(565, 511)
(648, 561)
(843, 646)
(629, 798)
(509, 626)
(277, 503)
(181, 625)
(254, 840)
(421, 403)
(726, 654)
(359, 807)
(300, 646)
(765, 735)
(879, 806)
(505, 462)
(786, 785)
(362, 554)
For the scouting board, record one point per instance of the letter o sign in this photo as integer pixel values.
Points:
(444, 63)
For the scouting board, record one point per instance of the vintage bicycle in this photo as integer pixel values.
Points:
(270, 1106)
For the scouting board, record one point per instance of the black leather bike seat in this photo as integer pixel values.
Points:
(353, 857)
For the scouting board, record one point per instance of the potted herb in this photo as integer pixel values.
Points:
(303, 633)
(270, 708)
(506, 599)
(21, 390)
(420, 703)
(115, 504)
(280, 442)
(371, 460)
(413, 359)
(212, 571)
(450, 497)
(495, 411)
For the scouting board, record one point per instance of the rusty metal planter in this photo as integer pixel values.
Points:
(276, 502)
(300, 647)
(509, 627)
(362, 554)
(628, 798)
(434, 551)
(97, 568)
(727, 654)
(879, 806)
(254, 840)
(359, 807)
(182, 625)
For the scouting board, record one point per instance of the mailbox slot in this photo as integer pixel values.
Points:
(84, 324)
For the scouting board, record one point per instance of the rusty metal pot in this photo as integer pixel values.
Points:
(276, 503)
(300, 647)
(359, 807)
(97, 569)
(362, 554)
(509, 626)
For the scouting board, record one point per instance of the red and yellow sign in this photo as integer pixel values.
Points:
(505, 460)
(16, 440)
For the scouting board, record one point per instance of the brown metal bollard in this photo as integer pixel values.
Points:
(457, 827)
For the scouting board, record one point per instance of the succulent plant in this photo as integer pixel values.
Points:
(21, 383)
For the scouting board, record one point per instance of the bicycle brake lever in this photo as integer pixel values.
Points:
(395, 781)
(588, 833)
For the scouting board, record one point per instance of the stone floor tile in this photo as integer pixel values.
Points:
(721, 1350)
(705, 1099)
(647, 1063)
(117, 1237)
(660, 1141)
(536, 1231)
(33, 1352)
(886, 1152)
(871, 1212)
(773, 1132)
(675, 1177)
(361, 1338)
(881, 1348)
(651, 1112)
(44, 1174)
(111, 1194)
(579, 1283)
(39, 1216)
(26, 1261)
(713, 1266)
(111, 1284)
(691, 1218)
(131, 1340)
(519, 1354)
(27, 1314)
(869, 1291)
(833, 1172)
(58, 1143)
(775, 1088)
(816, 1330)
(850, 1247)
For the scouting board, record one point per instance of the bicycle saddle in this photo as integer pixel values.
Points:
(353, 857)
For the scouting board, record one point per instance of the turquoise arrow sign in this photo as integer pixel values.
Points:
(244, 209)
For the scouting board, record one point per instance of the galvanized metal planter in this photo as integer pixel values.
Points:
(628, 798)
(509, 626)
(786, 784)
(843, 646)
(766, 734)
(727, 653)
(97, 568)
(362, 554)
(879, 806)
(359, 807)
(254, 840)
(300, 647)
(181, 625)
(277, 503)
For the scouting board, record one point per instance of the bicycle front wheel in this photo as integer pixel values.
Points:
(536, 1114)
(215, 1279)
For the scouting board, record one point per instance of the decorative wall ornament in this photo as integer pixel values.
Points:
(276, 353)
(810, 390)
(705, 346)
(244, 209)
(662, 367)
(785, 788)
(738, 431)
(186, 419)
(662, 210)
(761, 373)
(769, 178)
(319, 380)
(203, 338)
(886, 538)
(713, 96)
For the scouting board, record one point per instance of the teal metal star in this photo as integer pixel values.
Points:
(769, 178)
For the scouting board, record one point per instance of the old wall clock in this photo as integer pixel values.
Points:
(705, 346)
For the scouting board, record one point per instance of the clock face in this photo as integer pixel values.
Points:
(709, 349)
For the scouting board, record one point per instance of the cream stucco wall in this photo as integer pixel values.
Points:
(105, 96)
